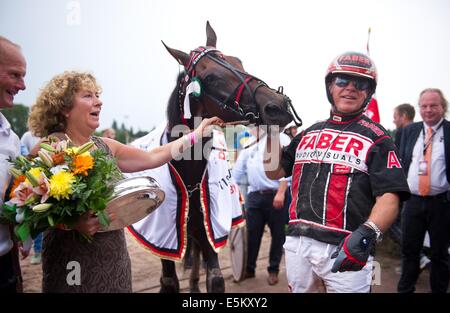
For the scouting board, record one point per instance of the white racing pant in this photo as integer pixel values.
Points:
(308, 268)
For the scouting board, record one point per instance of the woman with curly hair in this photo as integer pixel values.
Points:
(69, 106)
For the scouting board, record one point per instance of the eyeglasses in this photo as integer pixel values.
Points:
(360, 83)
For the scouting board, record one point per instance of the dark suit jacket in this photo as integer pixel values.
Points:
(398, 137)
(409, 139)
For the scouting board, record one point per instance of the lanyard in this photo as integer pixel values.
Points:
(426, 144)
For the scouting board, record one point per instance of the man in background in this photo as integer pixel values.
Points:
(109, 133)
(403, 116)
(266, 203)
(425, 155)
(27, 143)
(12, 73)
(291, 131)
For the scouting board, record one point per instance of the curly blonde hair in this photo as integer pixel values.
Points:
(47, 114)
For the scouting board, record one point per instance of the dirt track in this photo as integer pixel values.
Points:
(146, 272)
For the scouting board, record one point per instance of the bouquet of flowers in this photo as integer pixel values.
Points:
(56, 187)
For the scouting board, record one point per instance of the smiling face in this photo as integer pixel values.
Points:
(85, 112)
(12, 73)
(347, 99)
(431, 108)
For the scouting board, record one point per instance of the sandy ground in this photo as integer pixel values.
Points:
(146, 272)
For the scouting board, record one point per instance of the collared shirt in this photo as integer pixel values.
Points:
(250, 164)
(28, 141)
(9, 147)
(438, 178)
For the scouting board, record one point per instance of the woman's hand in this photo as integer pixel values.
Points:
(206, 126)
(89, 224)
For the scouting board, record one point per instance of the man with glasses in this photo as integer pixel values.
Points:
(425, 153)
(346, 185)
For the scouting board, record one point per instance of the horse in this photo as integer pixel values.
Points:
(212, 84)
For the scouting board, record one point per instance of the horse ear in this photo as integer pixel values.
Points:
(180, 56)
(211, 38)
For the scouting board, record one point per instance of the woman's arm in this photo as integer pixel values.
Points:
(131, 159)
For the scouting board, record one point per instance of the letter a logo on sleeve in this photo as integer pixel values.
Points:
(393, 160)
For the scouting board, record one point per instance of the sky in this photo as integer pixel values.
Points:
(286, 43)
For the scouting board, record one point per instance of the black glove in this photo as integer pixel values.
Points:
(353, 251)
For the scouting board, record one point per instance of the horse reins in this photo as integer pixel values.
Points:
(232, 102)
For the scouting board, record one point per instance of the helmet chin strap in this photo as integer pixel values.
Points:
(335, 110)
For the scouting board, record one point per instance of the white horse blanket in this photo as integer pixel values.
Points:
(164, 231)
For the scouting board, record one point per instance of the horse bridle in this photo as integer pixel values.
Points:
(232, 102)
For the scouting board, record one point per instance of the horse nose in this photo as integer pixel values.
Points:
(276, 114)
(272, 109)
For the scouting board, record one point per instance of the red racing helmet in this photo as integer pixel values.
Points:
(356, 64)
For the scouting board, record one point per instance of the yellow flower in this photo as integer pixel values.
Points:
(35, 172)
(61, 185)
(71, 151)
(83, 163)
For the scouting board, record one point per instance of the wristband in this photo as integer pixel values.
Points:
(375, 228)
(192, 138)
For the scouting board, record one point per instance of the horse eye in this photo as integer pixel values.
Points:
(212, 81)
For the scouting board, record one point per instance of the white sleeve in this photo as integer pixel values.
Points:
(240, 167)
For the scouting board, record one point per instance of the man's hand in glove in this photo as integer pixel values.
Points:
(353, 251)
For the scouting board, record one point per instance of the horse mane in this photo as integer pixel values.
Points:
(173, 109)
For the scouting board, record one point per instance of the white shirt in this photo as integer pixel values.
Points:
(9, 147)
(28, 141)
(438, 178)
(250, 163)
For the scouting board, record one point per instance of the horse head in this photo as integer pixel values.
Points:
(215, 84)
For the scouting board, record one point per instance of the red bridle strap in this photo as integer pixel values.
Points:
(241, 89)
(196, 55)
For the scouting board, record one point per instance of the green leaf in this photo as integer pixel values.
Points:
(50, 220)
(97, 204)
(9, 208)
(103, 218)
(23, 231)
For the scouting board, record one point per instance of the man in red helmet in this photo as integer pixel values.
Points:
(346, 185)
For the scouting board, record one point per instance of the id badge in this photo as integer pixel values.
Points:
(423, 167)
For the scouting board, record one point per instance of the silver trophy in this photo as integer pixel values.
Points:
(133, 199)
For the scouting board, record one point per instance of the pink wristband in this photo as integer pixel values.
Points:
(192, 138)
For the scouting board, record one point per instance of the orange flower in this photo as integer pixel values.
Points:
(58, 158)
(82, 164)
(16, 183)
